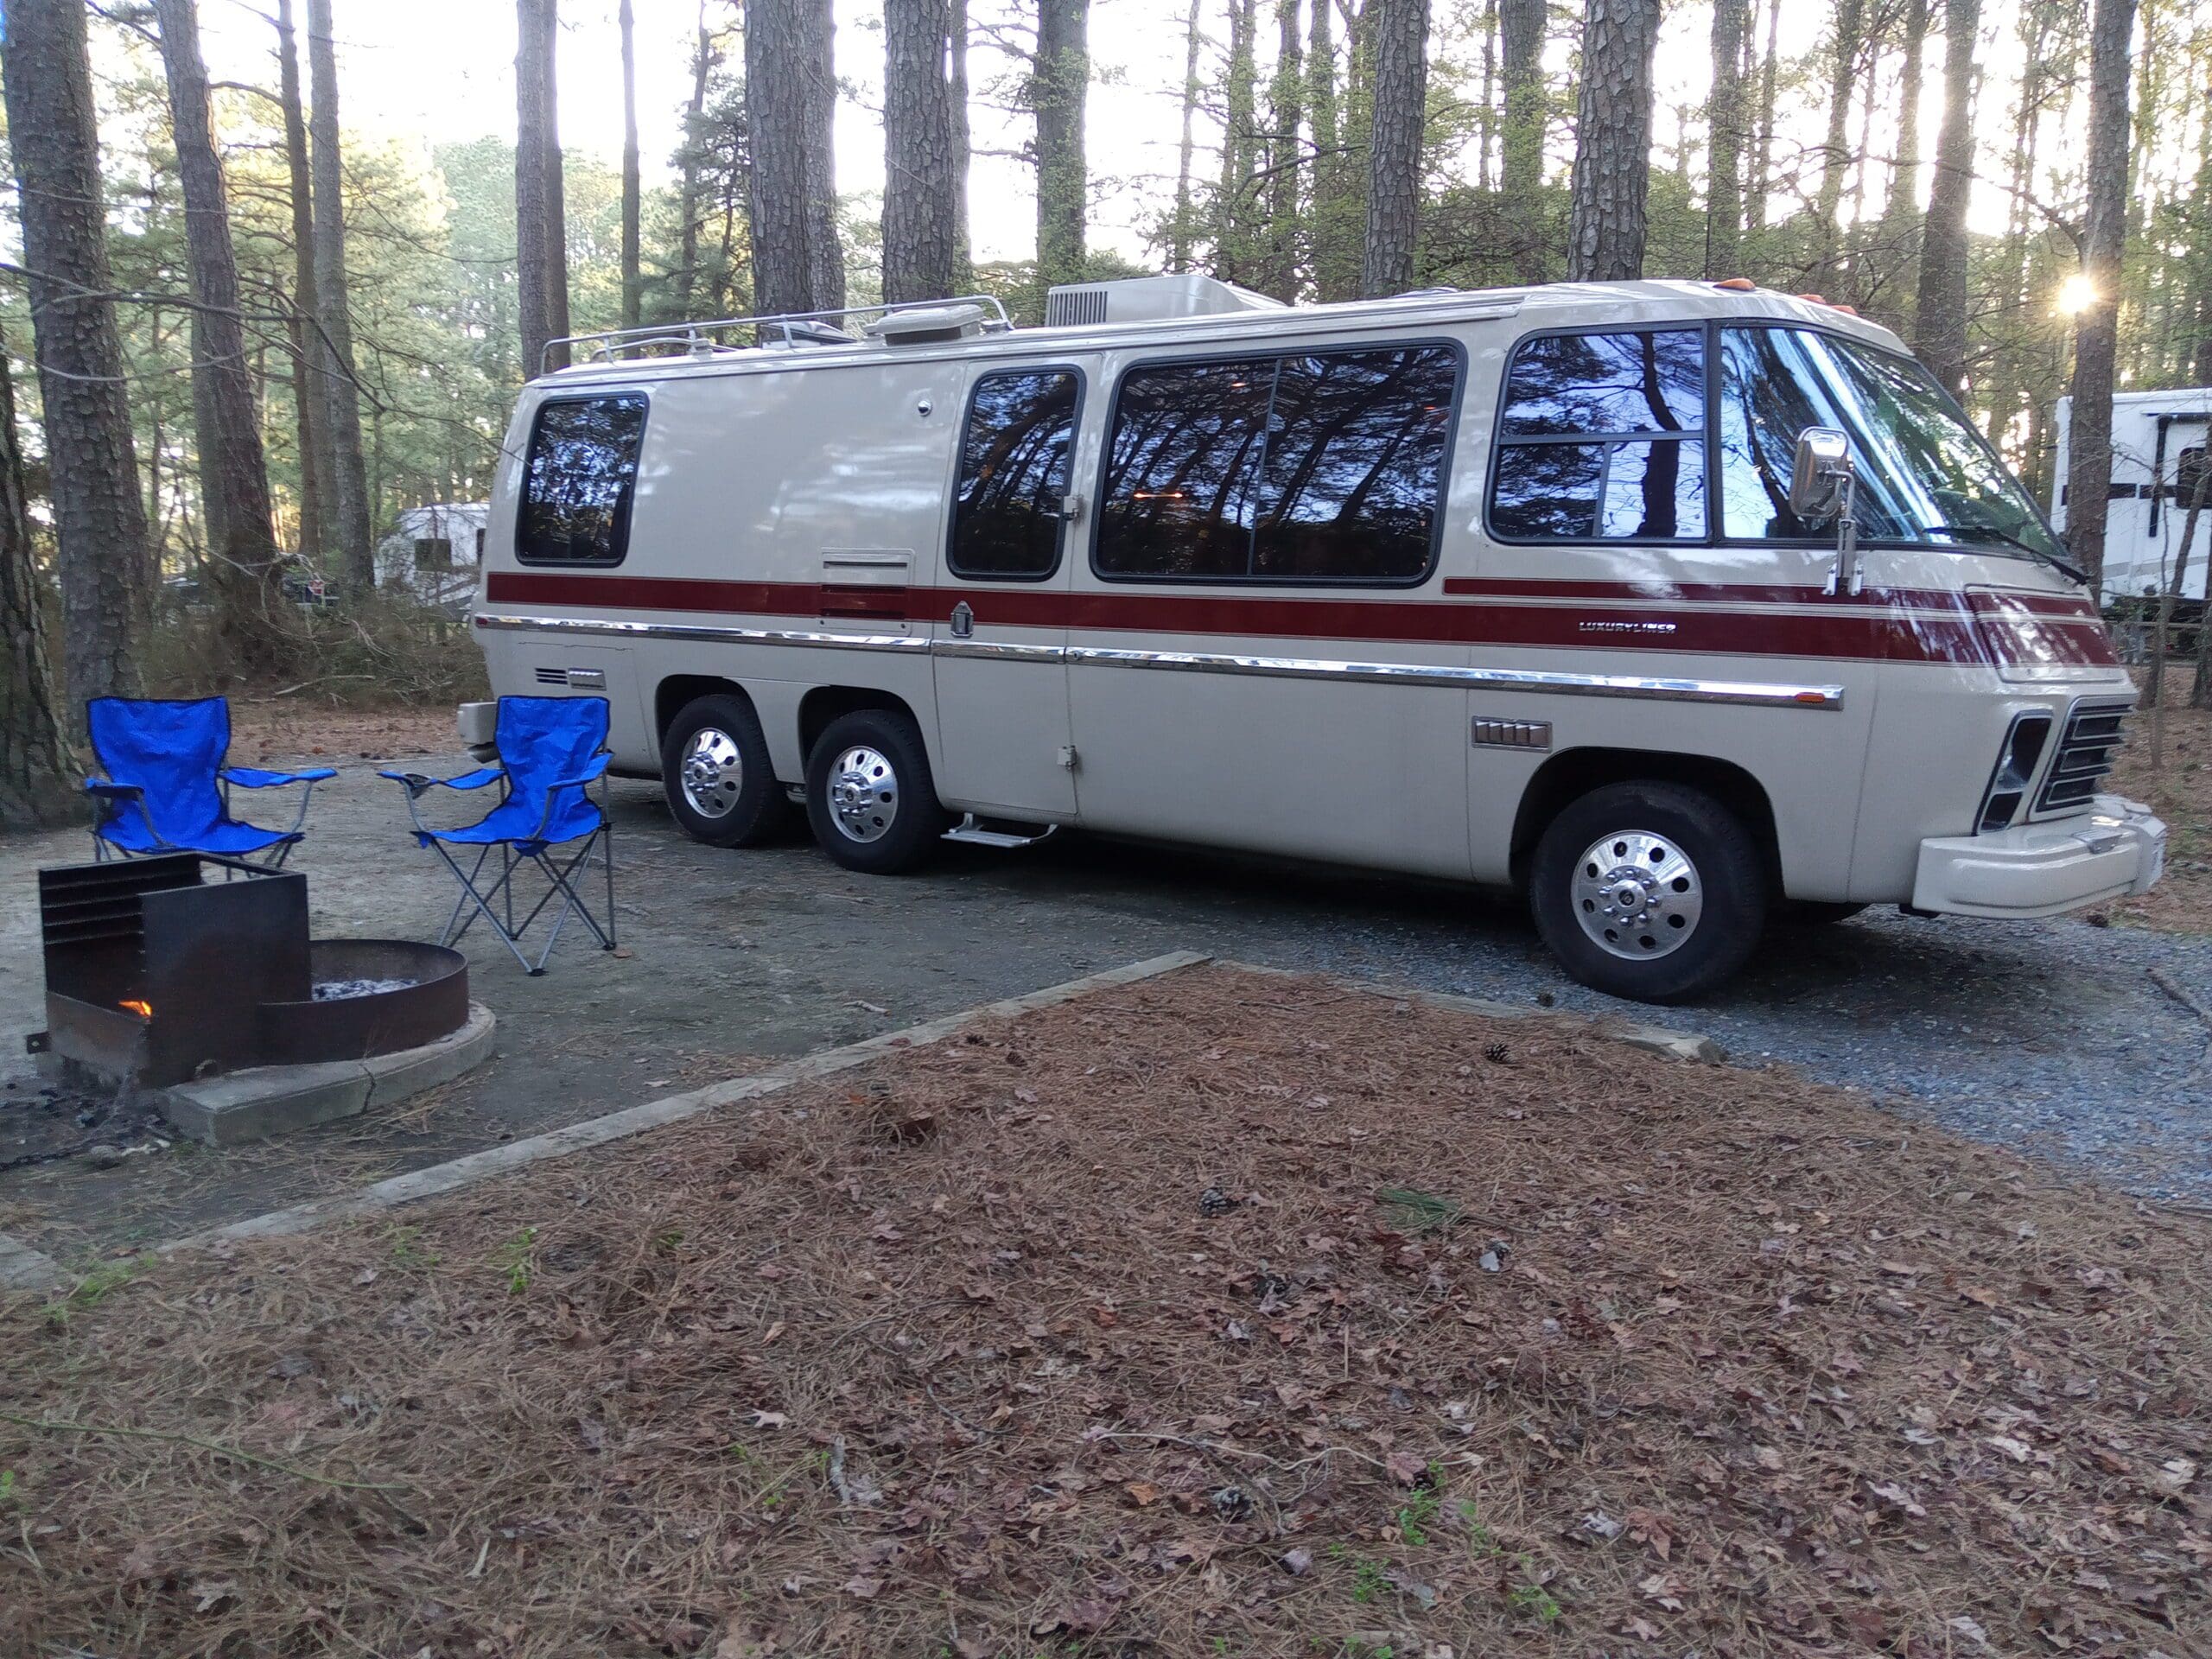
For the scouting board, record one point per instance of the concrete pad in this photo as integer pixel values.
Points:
(254, 1104)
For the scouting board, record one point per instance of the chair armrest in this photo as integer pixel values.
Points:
(592, 772)
(254, 778)
(113, 791)
(417, 782)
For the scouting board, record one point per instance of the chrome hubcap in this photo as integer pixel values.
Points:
(1638, 895)
(864, 793)
(712, 772)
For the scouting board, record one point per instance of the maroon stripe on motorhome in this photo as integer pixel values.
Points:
(1658, 591)
(1883, 630)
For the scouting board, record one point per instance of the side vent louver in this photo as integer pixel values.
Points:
(553, 676)
(2093, 732)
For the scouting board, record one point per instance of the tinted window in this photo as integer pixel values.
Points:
(1354, 465)
(1179, 475)
(577, 480)
(1566, 468)
(1013, 470)
(1322, 467)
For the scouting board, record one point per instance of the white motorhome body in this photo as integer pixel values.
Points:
(2158, 444)
(1436, 584)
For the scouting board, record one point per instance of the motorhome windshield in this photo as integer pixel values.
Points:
(1925, 476)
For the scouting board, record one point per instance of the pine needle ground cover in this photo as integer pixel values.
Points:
(1215, 1314)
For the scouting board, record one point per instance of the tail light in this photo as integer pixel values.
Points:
(2016, 770)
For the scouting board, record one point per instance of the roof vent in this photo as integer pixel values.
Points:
(926, 325)
(1148, 299)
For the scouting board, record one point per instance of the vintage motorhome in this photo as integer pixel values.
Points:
(1680, 606)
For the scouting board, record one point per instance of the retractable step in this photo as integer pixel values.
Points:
(998, 832)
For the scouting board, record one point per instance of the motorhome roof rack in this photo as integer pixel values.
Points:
(780, 329)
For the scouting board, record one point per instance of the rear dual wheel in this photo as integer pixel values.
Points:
(1651, 891)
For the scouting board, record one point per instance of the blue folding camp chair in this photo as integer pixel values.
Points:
(551, 749)
(167, 788)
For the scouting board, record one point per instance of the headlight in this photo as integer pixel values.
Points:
(2016, 769)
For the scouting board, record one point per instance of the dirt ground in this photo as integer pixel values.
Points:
(2180, 788)
(1219, 1314)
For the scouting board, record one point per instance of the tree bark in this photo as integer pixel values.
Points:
(1400, 104)
(963, 258)
(107, 573)
(541, 240)
(687, 194)
(2096, 333)
(349, 540)
(1178, 235)
(242, 561)
(36, 766)
(790, 92)
(1612, 147)
(1762, 154)
(1940, 335)
(1835, 151)
(1905, 172)
(1234, 255)
(1521, 146)
(315, 462)
(921, 242)
(633, 275)
(1285, 158)
(1337, 214)
(1059, 88)
(1724, 122)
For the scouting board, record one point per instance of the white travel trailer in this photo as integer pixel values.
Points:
(2157, 456)
(1679, 606)
(435, 552)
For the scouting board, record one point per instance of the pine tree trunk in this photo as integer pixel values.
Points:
(1940, 335)
(2096, 332)
(107, 574)
(1612, 147)
(633, 207)
(35, 765)
(687, 194)
(541, 242)
(1060, 85)
(1905, 173)
(315, 463)
(920, 241)
(1521, 147)
(1723, 121)
(1234, 255)
(349, 539)
(1337, 214)
(1763, 156)
(1394, 150)
(1286, 160)
(242, 555)
(790, 92)
(1178, 240)
(1835, 151)
(963, 256)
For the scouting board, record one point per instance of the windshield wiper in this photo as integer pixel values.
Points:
(1990, 533)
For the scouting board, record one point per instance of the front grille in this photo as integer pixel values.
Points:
(2093, 737)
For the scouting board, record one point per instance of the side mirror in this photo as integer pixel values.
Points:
(1819, 479)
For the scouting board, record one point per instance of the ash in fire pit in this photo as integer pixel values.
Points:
(339, 990)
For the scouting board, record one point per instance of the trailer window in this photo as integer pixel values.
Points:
(577, 480)
(1602, 438)
(1321, 468)
(1014, 474)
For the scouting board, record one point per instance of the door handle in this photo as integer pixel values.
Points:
(963, 620)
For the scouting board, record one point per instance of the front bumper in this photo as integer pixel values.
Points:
(2115, 849)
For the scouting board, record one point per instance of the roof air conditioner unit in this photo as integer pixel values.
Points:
(1148, 299)
(926, 325)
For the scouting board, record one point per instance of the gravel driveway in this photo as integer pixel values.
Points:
(2055, 1039)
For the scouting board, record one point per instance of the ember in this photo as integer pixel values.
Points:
(143, 1009)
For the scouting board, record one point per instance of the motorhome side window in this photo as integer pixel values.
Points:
(1013, 473)
(1602, 438)
(1314, 467)
(577, 480)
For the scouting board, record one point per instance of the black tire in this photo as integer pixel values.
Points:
(752, 806)
(1727, 876)
(1815, 913)
(904, 819)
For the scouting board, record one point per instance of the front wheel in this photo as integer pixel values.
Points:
(1650, 891)
(869, 796)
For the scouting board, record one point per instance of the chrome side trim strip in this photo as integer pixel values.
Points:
(1752, 693)
(606, 626)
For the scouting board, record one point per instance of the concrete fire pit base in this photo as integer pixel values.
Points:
(268, 1100)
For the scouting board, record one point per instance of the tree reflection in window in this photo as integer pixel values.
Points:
(1322, 467)
(578, 482)
(1013, 473)
(1572, 462)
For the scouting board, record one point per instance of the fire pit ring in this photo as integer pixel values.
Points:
(379, 996)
